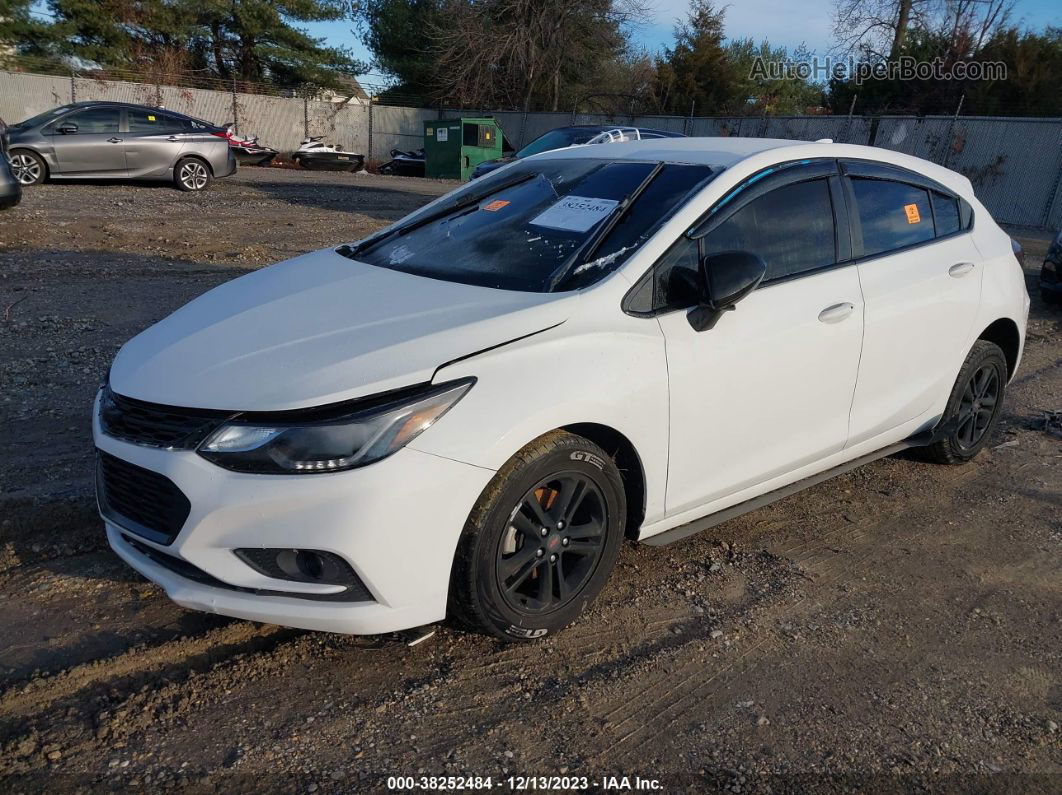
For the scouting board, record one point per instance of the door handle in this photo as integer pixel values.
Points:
(173, 138)
(960, 269)
(836, 313)
(114, 140)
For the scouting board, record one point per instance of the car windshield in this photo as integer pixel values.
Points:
(542, 226)
(558, 139)
(41, 118)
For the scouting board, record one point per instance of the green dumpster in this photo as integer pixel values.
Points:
(453, 147)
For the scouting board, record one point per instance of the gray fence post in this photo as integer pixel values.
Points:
(235, 109)
(848, 124)
(305, 112)
(73, 87)
(368, 156)
(951, 132)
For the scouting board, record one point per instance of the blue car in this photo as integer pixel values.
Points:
(577, 135)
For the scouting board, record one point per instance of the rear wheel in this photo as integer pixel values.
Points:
(973, 407)
(28, 167)
(541, 541)
(191, 174)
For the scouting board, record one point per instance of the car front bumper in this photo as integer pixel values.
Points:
(396, 522)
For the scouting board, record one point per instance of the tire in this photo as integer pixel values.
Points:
(510, 581)
(1051, 298)
(191, 174)
(983, 377)
(28, 167)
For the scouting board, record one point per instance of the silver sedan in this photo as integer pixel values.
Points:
(105, 140)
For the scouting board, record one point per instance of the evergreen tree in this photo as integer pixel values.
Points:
(696, 74)
(252, 40)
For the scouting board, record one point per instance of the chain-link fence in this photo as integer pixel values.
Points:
(1015, 164)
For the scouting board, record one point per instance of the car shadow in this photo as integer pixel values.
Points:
(381, 202)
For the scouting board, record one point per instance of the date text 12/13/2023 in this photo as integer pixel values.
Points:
(524, 783)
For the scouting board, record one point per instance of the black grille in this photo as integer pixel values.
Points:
(181, 567)
(142, 501)
(155, 425)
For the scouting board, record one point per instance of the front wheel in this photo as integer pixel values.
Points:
(28, 167)
(541, 541)
(974, 406)
(191, 174)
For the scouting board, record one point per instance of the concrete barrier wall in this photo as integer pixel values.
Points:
(1015, 165)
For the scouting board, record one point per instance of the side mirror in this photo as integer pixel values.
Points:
(67, 128)
(728, 277)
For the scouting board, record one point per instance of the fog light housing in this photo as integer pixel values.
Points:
(302, 565)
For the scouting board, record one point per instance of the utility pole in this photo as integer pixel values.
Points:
(305, 112)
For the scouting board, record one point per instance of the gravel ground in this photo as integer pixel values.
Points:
(898, 628)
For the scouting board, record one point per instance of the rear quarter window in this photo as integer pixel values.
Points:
(945, 213)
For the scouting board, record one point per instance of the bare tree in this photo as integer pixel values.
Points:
(878, 29)
(505, 52)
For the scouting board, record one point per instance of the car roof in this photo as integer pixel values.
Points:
(727, 152)
(94, 103)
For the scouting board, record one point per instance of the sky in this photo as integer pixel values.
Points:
(787, 24)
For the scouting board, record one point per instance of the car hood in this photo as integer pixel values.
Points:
(490, 165)
(320, 329)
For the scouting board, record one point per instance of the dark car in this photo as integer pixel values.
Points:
(10, 190)
(118, 140)
(577, 135)
(1050, 284)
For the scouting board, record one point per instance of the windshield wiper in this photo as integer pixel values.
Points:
(465, 202)
(583, 253)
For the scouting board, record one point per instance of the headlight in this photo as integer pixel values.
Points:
(331, 445)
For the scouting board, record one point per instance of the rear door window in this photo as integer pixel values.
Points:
(148, 120)
(892, 215)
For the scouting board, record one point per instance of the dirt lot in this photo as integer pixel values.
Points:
(898, 628)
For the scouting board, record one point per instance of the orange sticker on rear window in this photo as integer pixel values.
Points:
(912, 213)
(495, 205)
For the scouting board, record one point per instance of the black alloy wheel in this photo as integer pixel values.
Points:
(977, 407)
(541, 540)
(973, 407)
(553, 543)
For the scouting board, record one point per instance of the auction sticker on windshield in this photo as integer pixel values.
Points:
(575, 213)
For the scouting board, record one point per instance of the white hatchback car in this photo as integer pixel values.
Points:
(467, 412)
